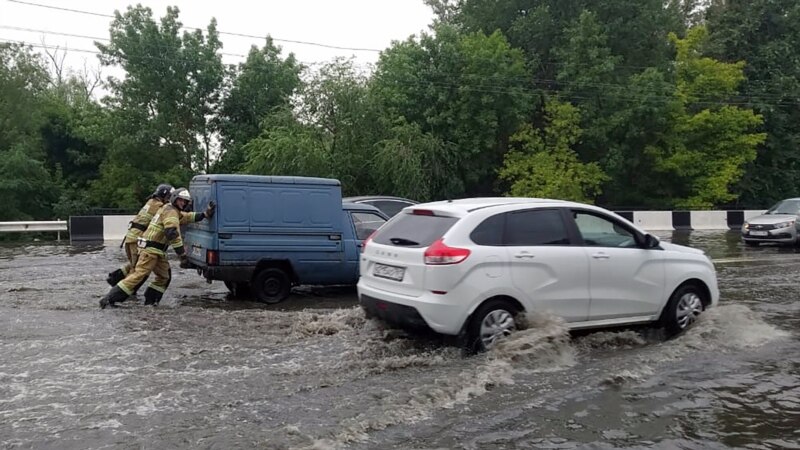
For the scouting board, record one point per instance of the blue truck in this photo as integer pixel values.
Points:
(270, 233)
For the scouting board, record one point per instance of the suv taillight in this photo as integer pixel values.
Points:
(439, 254)
(364, 244)
(212, 257)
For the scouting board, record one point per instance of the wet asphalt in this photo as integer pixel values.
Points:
(204, 370)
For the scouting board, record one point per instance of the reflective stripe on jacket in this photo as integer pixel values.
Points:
(143, 219)
(166, 217)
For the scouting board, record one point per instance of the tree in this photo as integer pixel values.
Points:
(75, 143)
(543, 163)
(260, 85)
(590, 53)
(465, 90)
(766, 34)
(413, 164)
(161, 112)
(330, 131)
(25, 184)
(710, 142)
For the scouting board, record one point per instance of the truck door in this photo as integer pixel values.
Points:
(361, 225)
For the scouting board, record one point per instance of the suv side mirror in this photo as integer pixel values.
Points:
(650, 241)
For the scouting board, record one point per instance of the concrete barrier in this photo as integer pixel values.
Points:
(98, 228)
(689, 220)
(115, 227)
(85, 228)
(709, 220)
(653, 220)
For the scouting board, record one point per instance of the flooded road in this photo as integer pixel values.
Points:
(207, 371)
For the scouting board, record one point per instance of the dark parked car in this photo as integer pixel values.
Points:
(387, 204)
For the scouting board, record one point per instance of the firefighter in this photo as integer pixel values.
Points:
(163, 232)
(135, 229)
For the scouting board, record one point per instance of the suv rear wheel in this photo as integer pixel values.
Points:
(492, 321)
(271, 285)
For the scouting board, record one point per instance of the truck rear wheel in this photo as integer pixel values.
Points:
(271, 285)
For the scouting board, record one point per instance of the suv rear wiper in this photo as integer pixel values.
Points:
(402, 241)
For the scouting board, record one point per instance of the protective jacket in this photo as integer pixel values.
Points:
(164, 231)
(139, 223)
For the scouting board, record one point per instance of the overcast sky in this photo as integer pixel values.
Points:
(371, 24)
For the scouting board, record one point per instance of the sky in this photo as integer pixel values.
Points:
(362, 24)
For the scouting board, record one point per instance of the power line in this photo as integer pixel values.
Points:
(81, 36)
(552, 63)
(97, 52)
(49, 47)
(619, 94)
(227, 33)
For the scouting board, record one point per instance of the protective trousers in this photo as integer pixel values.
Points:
(132, 253)
(146, 264)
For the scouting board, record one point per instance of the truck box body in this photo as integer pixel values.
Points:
(297, 224)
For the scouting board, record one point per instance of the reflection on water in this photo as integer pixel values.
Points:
(724, 244)
(209, 371)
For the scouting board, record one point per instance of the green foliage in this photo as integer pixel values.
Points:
(171, 88)
(710, 142)
(331, 132)
(467, 90)
(765, 34)
(543, 163)
(413, 164)
(25, 185)
(338, 130)
(626, 103)
(287, 147)
(260, 85)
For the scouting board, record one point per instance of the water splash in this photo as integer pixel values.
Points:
(543, 343)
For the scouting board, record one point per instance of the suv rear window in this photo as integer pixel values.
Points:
(414, 231)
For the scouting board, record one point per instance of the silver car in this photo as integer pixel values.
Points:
(778, 225)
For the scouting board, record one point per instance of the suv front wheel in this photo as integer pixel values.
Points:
(684, 307)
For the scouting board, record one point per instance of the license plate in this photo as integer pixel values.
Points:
(197, 251)
(759, 233)
(389, 272)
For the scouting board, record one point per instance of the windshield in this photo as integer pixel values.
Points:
(785, 207)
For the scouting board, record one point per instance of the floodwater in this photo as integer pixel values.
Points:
(207, 371)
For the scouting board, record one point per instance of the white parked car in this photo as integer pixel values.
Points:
(469, 267)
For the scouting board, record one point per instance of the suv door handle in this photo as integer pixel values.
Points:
(601, 255)
(524, 256)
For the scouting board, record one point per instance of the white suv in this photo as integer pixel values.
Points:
(469, 267)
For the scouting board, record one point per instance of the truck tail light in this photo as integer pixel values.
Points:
(212, 257)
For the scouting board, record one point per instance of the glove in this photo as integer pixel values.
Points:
(185, 264)
(209, 212)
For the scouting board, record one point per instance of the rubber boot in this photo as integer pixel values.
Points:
(115, 277)
(115, 295)
(152, 296)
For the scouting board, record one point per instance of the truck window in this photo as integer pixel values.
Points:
(366, 224)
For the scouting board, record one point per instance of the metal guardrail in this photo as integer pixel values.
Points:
(34, 226)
